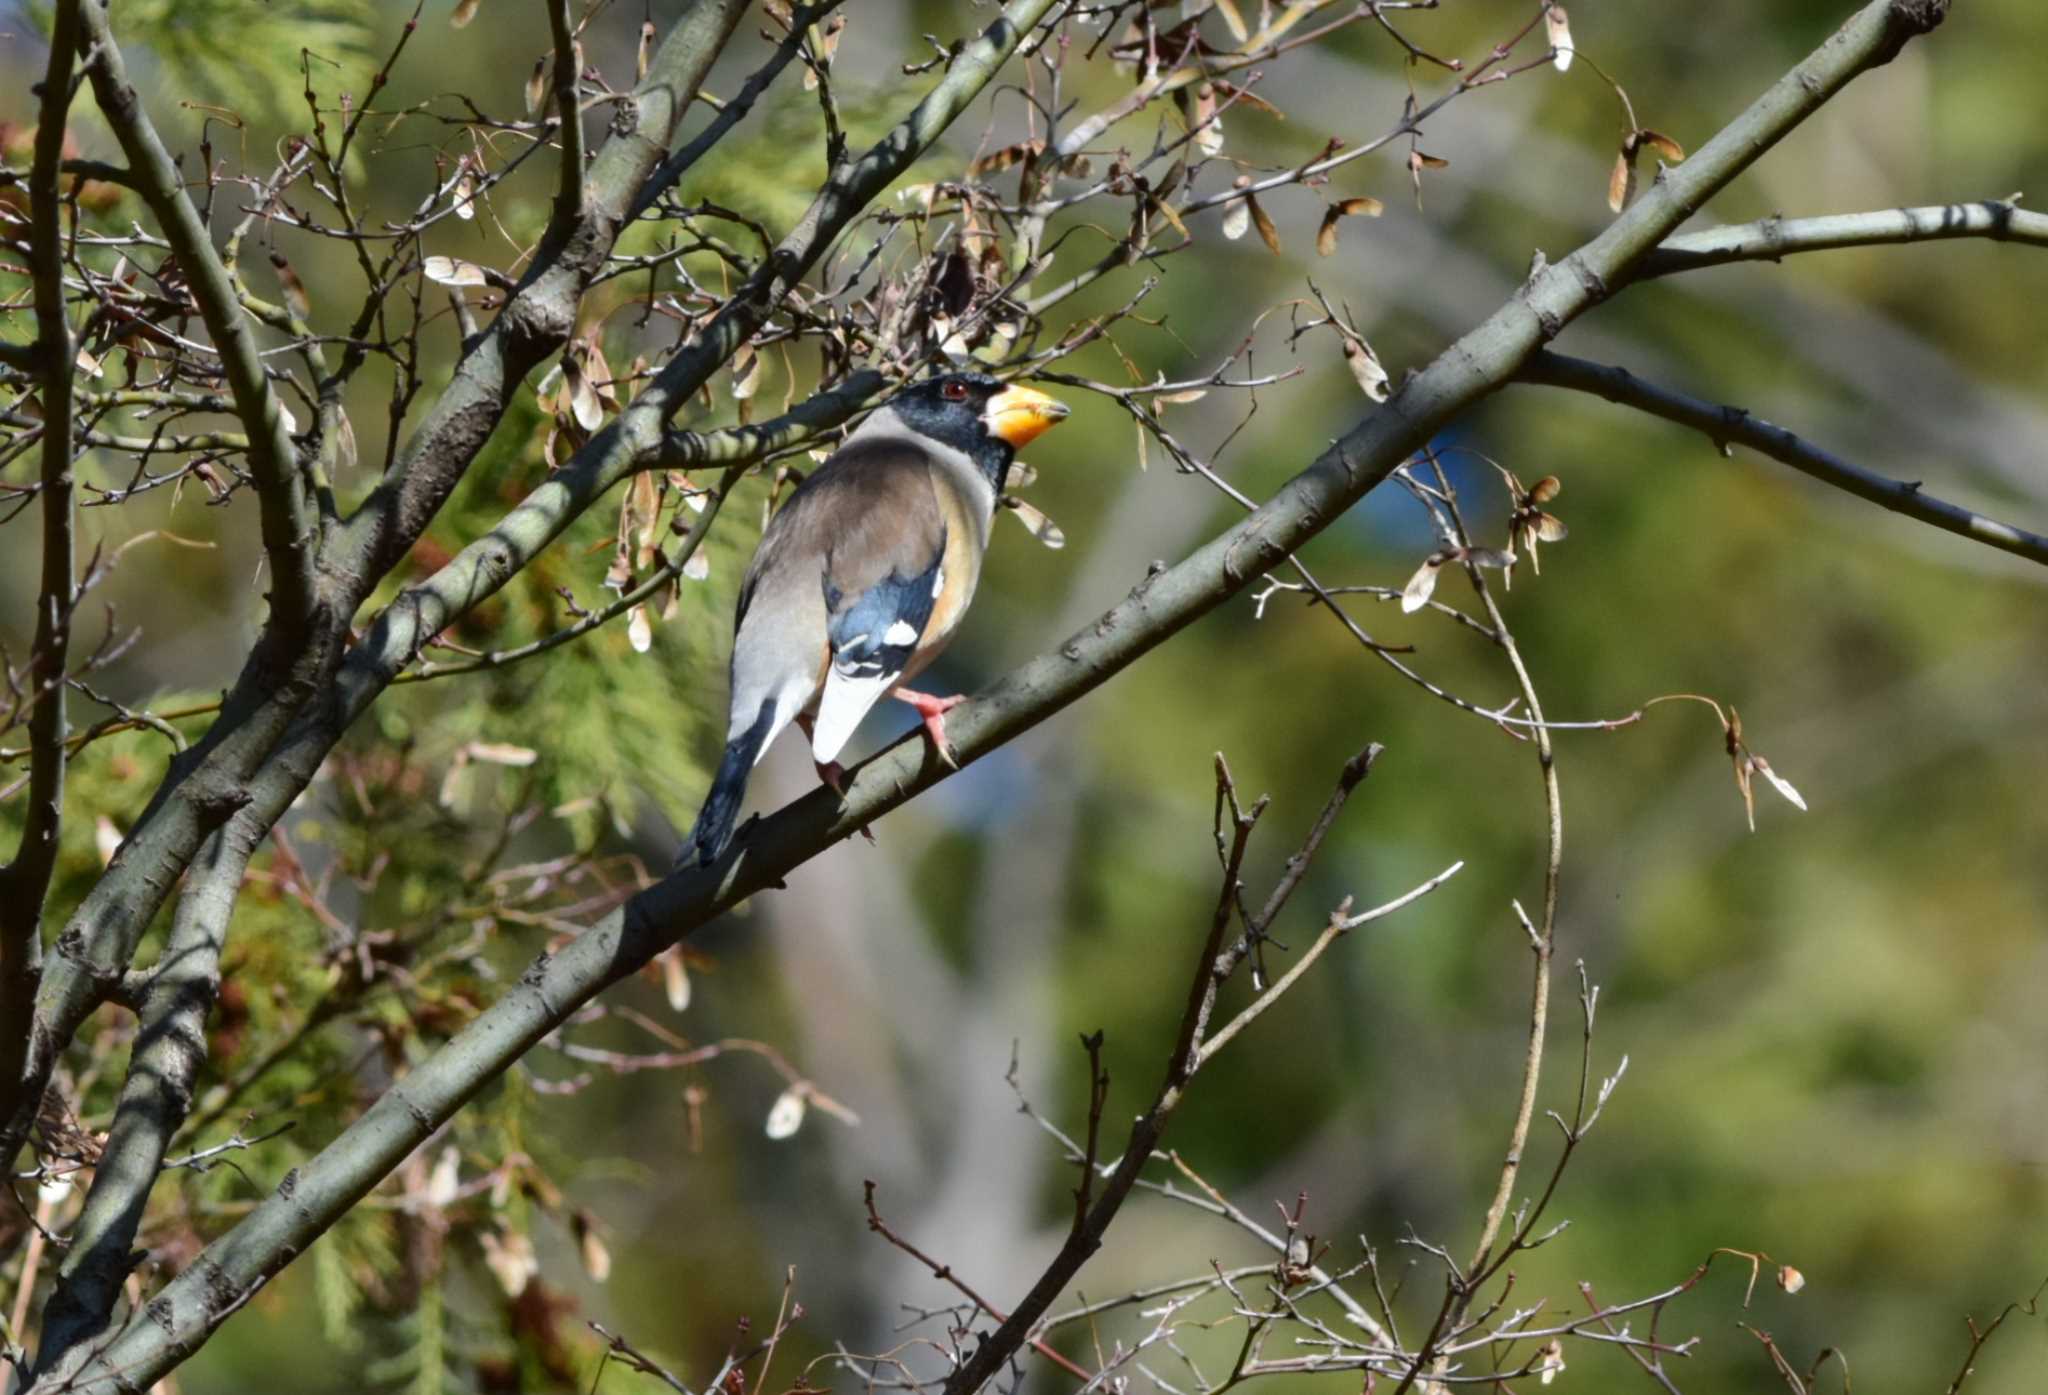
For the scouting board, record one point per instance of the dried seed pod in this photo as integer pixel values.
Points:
(1559, 30)
(1237, 214)
(1621, 181)
(510, 1258)
(453, 271)
(675, 980)
(443, 1182)
(584, 406)
(746, 373)
(1268, 234)
(1421, 586)
(1366, 369)
(1040, 527)
(786, 1116)
(1666, 147)
(1208, 127)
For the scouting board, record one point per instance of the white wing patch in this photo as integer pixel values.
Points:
(900, 633)
(938, 581)
(845, 701)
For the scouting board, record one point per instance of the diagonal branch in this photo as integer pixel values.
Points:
(311, 1198)
(1725, 425)
(1770, 239)
(290, 520)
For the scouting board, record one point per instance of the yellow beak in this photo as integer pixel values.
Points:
(1019, 415)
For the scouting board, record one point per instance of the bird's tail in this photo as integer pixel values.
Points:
(722, 805)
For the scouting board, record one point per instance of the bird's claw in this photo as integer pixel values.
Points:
(933, 711)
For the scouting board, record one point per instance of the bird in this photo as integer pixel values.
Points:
(862, 578)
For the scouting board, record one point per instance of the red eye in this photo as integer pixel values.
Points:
(954, 392)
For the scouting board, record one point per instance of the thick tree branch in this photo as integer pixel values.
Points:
(1733, 425)
(644, 589)
(732, 445)
(1770, 239)
(311, 1198)
(26, 880)
(284, 498)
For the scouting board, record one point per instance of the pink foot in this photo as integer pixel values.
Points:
(933, 711)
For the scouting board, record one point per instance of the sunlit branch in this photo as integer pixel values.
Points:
(644, 590)
(1338, 925)
(1772, 239)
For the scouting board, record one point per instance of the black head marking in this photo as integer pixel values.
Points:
(949, 408)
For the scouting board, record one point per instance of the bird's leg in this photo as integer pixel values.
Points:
(830, 772)
(933, 710)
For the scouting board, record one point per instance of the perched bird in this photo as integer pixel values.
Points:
(864, 575)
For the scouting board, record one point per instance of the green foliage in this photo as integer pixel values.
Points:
(113, 777)
(237, 54)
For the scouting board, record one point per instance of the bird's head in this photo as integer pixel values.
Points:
(982, 416)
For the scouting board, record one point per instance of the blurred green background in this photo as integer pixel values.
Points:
(1837, 1044)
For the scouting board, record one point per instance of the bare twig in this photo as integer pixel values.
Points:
(1772, 239)
(1727, 426)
